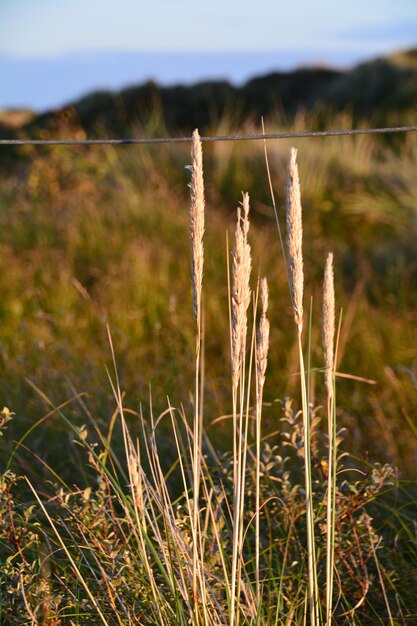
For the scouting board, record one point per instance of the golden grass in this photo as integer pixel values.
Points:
(223, 552)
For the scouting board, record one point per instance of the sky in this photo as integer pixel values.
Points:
(52, 51)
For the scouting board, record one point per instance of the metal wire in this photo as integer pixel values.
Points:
(251, 137)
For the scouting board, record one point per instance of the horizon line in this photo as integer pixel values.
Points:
(367, 51)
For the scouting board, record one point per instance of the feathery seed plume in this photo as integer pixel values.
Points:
(241, 295)
(328, 323)
(263, 337)
(197, 221)
(294, 239)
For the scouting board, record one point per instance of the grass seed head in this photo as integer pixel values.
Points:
(263, 337)
(241, 295)
(328, 323)
(294, 239)
(197, 206)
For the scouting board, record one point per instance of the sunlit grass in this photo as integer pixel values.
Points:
(146, 516)
(95, 236)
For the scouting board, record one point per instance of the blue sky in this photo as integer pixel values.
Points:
(111, 43)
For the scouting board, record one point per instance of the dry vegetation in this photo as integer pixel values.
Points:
(227, 502)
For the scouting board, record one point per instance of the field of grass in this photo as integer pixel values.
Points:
(97, 238)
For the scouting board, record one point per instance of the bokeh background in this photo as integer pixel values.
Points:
(91, 237)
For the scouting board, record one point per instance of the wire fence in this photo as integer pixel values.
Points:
(212, 138)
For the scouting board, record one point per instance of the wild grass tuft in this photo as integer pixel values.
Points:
(280, 527)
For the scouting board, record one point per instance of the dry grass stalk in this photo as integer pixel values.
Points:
(328, 333)
(197, 206)
(262, 348)
(197, 221)
(294, 239)
(328, 324)
(240, 300)
(241, 295)
(296, 280)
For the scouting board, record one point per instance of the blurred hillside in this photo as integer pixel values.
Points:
(96, 236)
(382, 90)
